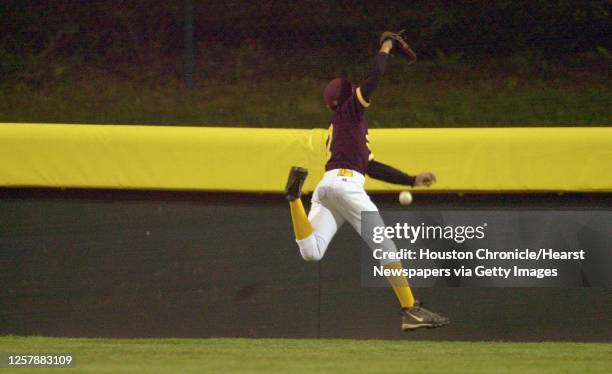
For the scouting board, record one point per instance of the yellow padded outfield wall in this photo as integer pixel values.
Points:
(258, 160)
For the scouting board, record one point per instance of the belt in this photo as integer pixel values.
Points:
(345, 173)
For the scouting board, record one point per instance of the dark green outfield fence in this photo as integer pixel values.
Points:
(158, 264)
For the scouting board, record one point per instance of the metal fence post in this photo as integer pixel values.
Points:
(189, 57)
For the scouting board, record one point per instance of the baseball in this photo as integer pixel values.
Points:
(405, 198)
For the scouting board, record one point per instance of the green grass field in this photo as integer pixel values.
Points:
(310, 355)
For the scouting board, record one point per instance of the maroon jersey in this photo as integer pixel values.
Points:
(347, 143)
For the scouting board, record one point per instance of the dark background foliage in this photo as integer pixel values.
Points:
(110, 34)
(71, 61)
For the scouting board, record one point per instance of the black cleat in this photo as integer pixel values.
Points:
(418, 316)
(295, 181)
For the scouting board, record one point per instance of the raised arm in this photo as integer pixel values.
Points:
(368, 86)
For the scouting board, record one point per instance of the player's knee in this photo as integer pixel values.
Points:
(311, 256)
(312, 248)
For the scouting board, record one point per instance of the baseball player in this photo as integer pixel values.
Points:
(340, 195)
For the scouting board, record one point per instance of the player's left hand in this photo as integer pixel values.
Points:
(425, 179)
(399, 43)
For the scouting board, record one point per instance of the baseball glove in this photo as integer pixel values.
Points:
(399, 44)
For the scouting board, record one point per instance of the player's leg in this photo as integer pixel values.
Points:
(313, 232)
(355, 200)
(325, 223)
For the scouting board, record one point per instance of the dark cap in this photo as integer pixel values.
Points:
(336, 92)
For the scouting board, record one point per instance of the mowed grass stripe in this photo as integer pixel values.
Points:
(308, 355)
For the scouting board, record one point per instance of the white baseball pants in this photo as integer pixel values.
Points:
(338, 199)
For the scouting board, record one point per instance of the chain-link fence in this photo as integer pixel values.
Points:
(240, 39)
(265, 63)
